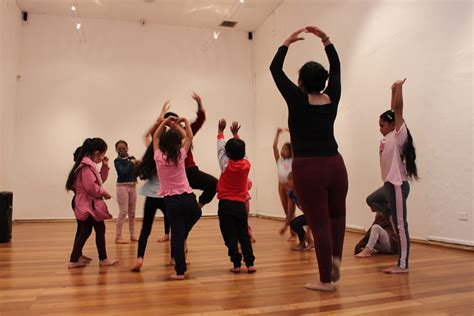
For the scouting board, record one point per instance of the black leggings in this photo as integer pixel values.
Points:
(183, 212)
(297, 224)
(85, 231)
(202, 181)
(233, 222)
(151, 205)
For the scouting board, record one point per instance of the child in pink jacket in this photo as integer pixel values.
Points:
(89, 206)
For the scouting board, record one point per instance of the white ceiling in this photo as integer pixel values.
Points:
(195, 13)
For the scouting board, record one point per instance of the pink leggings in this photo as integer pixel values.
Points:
(127, 200)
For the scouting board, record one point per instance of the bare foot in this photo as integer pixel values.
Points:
(318, 286)
(85, 258)
(177, 277)
(137, 265)
(298, 247)
(291, 238)
(120, 241)
(235, 270)
(336, 269)
(166, 237)
(282, 230)
(395, 270)
(73, 265)
(366, 252)
(133, 239)
(107, 262)
(253, 239)
(251, 269)
(309, 246)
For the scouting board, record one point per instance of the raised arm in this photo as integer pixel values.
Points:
(276, 152)
(286, 87)
(159, 130)
(104, 170)
(149, 133)
(397, 103)
(221, 154)
(201, 114)
(333, 89)
(188, 139)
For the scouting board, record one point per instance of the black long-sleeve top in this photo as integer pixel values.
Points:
(311, 126)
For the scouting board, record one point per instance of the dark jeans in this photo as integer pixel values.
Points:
(85, 231)
(233, 222)
(297, 224)
(151, 205)
(202, 181)
(321, 186)
(378, 201)
(183, 212)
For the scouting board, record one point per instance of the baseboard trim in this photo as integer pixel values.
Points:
(432, 241)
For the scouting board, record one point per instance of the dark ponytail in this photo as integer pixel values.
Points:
(147, 168)
(409, 156)
(409, 153)
(88, 148)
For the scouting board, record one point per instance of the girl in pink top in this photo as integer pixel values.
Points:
(397, 164)
(89, 206)
(170, 146)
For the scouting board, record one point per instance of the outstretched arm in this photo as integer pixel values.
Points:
(188, 139)
(287, 88)
(276, 152)
(149, 133)
(221, 155)
(201, 114)
(397, 102)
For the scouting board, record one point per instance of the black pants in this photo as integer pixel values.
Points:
(297, 224)
(151, 205)
(202, 181)
(183, 212)
(235, 229)
(85, 231)
(78, 228)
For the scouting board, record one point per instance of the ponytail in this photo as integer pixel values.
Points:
(88, 148)
(409, 156)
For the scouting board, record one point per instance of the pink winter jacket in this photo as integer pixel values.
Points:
(89, 192)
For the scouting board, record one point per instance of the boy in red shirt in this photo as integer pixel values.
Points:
(232, 190)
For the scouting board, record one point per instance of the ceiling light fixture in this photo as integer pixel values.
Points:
(73, 8)
(78, 26)
(216, 34)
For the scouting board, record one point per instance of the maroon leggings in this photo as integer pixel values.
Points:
(321, 188)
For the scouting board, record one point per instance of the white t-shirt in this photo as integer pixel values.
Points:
(391, 149)
(284, 168)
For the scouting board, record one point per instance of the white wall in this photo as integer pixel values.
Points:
(113, 86)
(430, 43)
(10, 35)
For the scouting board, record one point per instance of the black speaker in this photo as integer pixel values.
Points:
(250, 36)
(24, 16)
(6, 210)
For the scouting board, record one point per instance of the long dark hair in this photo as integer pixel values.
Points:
(88, 148)
(313, 77)
(147, 168)
(409, 152)
(170, 145)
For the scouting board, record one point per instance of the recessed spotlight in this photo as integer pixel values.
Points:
(73, 8)
(242, 1)
(216, 34)
(78, 26)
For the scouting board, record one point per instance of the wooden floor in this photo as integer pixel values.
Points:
(34, 279)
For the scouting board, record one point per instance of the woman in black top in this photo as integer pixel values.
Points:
(319, 173)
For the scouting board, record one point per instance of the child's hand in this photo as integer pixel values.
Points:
(398, 84)
(105, 161)
(221, 126)
(107, 196)
(196, 98)
(279, 130)
(234, 128)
